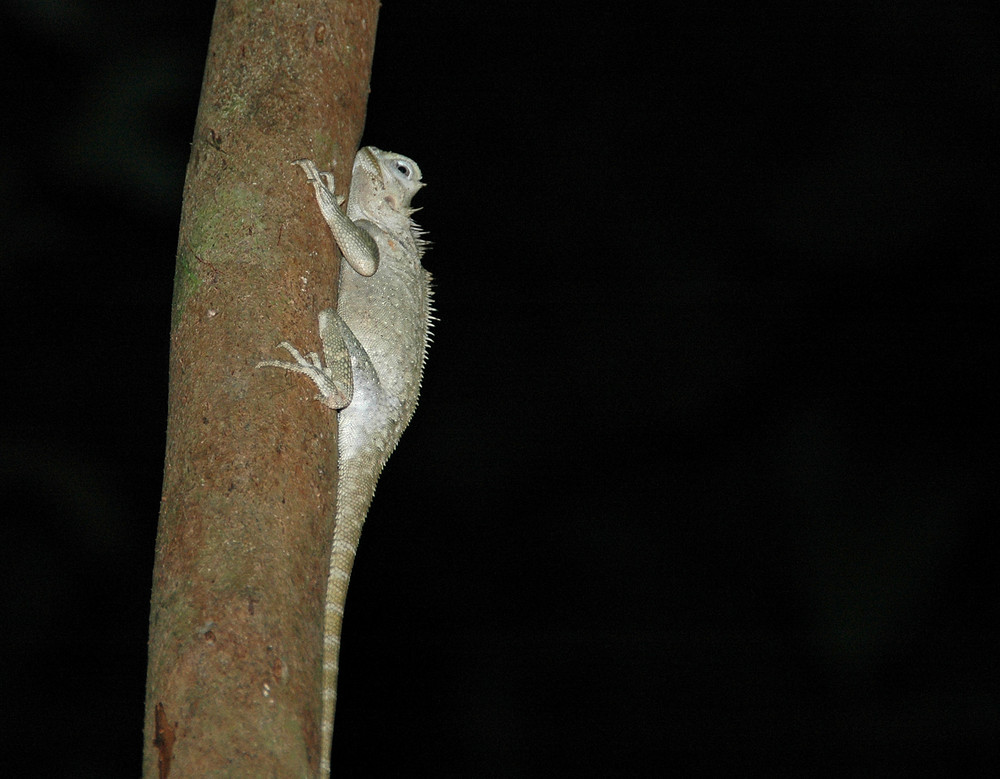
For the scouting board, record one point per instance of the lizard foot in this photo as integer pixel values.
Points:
(329, 393)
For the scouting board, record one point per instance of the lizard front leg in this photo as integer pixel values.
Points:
(359, 248)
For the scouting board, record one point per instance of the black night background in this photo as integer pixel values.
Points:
(702, 480)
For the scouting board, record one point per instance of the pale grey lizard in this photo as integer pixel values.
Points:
(374, 347)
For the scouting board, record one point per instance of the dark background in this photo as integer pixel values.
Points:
(702, 480)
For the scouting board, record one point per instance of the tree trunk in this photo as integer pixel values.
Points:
(235, 637)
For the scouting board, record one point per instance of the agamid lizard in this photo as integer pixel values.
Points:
(374, 348)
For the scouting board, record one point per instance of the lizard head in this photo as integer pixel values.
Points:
(386, 182)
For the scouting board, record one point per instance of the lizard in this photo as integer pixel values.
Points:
(374, 348)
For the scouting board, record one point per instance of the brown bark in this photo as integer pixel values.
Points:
(235, 638)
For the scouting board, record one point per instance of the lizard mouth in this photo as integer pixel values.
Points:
(369, 160)
(366, 163)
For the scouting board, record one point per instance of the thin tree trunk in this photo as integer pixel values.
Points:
(235, 639)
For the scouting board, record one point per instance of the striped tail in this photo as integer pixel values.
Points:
(354, 496)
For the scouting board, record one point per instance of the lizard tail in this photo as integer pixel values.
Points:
(354, 495)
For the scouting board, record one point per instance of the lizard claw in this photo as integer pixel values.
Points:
(312, 174)
(316, 177)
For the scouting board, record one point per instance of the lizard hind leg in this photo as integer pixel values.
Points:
(334, 380)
